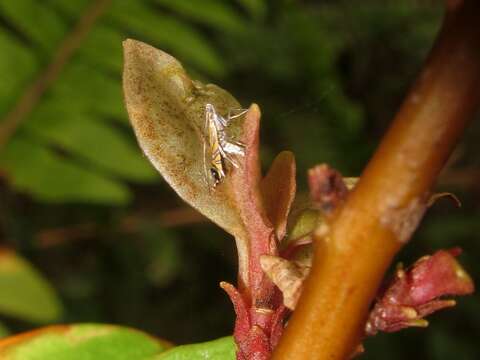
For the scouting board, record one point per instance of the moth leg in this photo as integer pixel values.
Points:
(232, 161)
(232, 116)
(235, 142)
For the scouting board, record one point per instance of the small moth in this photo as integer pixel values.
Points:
(218, 148)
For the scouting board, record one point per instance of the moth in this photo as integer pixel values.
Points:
(218, 147)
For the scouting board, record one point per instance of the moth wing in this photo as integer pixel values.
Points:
(234, 148)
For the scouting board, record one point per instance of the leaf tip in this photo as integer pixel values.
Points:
(255, 110)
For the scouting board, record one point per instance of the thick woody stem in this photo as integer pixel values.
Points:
(388, 202)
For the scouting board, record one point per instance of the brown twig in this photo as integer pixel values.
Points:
(34, 92)
(463, 178)
(388, 202)
(129, 224)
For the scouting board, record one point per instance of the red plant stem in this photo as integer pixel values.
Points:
(382, 211)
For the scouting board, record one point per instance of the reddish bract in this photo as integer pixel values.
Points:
(417, 292)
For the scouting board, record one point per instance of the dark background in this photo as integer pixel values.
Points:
(78, 200)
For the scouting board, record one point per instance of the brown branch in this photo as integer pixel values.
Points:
(129, 224)
(385, 207)
(34, 92)
(463, 178)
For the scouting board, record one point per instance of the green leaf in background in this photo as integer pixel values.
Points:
(216, 13)
(82, 342)
(168, 31)
(220, 349)
(23, 291)
(47, 176)
(100, 44)
(35, 21)
(20, 59)
(94, 141)
(94, 92)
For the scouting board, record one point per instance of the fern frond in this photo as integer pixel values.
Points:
(65, 131)
(215, 13)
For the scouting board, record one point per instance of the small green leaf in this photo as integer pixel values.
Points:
(302, 224)
(82, 342)
(220, 349)
(46, 176)
(23, 291)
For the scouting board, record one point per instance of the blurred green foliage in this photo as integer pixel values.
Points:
(328, 76)
(25, 293)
